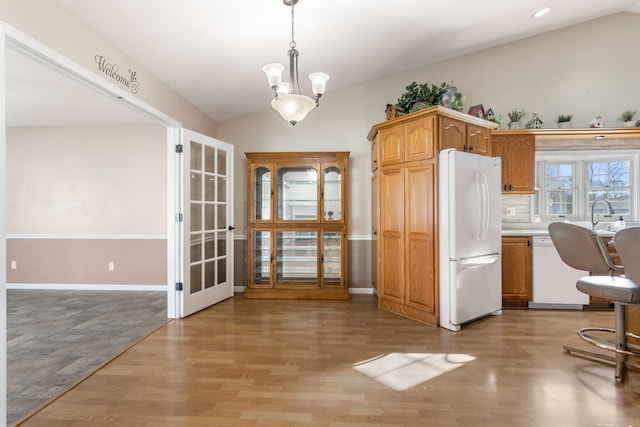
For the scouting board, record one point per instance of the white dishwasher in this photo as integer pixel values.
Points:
(554, 282)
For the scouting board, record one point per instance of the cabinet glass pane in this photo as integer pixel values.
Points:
(332, 194)
(297, 257)
(262, 194)
(298, 193)
(261, 257)
(332, 257)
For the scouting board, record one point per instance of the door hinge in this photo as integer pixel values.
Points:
(179, 217)
(178, 286)
(179, 148)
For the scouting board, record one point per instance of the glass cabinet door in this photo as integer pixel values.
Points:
(261, 257)
(298, 193)
(262, 194)
(332, 193)
(297, 257)
(332, 262)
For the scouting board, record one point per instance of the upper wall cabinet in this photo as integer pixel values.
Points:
(464, 136)
(518, 162)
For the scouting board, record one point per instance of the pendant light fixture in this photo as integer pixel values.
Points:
(288, 101)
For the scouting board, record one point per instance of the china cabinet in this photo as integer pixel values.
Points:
(297, 225)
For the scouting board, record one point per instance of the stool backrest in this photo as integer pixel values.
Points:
(580, 247)
(627, 243)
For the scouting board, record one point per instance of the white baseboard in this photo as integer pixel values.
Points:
(86, 287)
(355, 291)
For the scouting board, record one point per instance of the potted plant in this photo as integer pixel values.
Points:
(564, 121)
(419, 96)
(627, 118)
(515, 116)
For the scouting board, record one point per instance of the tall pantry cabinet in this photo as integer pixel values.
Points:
(405, 220)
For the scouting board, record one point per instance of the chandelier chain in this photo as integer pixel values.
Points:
(292, 45)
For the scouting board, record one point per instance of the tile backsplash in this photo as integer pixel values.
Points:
(517, 208)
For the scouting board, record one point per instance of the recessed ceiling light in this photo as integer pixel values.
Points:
(541, 12)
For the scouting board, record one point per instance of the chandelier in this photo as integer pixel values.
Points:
(288, 101)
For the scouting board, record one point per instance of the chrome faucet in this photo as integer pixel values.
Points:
(595, 222)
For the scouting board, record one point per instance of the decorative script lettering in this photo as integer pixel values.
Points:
(113, 71)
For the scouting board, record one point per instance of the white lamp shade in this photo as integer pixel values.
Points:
(283, 88)
(274, 73)
(318, 82)
(293, 108)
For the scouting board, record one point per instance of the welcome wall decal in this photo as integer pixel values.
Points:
(113, 71)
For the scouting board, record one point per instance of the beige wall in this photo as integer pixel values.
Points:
(585, 70)
(79, 198)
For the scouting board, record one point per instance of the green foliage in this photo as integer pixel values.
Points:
(418, 96)
(517, 115)
(564, 118)
(627, 116)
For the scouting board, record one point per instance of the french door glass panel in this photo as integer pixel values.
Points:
(297, 257)
(208, 217)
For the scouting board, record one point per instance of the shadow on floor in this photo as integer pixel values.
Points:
(56, 337)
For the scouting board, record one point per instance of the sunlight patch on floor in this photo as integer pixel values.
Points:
(402, 371)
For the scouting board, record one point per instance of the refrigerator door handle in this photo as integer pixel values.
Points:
(483, 262)
(483, 185)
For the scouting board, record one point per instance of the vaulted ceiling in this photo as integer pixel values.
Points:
(212, 51)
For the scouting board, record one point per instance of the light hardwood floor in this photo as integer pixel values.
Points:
(297, 363)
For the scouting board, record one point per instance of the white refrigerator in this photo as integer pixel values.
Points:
(470, 234)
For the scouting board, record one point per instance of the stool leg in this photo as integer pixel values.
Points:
(621, 339)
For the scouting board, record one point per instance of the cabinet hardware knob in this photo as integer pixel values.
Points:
(231, 227)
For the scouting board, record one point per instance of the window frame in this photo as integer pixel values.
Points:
(581, 159)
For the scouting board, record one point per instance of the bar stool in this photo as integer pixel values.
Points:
(582, 249)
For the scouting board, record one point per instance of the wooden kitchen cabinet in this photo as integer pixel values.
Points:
(410, 141)
(517, 272)
(297, 225)
(464, 136)
(405, 199)
(518, 162)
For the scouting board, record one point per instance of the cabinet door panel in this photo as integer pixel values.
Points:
(518, 162)
(452, 134)
(391, 145)
(517, 275)
(391, 278)
(419, 139)
(420, 251)
(478, 140)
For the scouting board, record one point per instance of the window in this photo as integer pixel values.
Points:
(569, 183)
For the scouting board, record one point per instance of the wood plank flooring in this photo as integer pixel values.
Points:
(301, 363)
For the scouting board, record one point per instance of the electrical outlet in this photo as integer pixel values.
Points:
(511, 211)
(112, 266)
(14, 265)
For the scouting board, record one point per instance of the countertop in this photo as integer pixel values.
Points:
(540, 229)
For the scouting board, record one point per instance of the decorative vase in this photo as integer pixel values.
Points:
(452, 98)
(514, 125)
(628, 124)
(564, 125)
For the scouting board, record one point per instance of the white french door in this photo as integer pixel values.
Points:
(205, 254)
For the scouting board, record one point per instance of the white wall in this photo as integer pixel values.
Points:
(55, 27)
(585, 70)
(94, 180)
